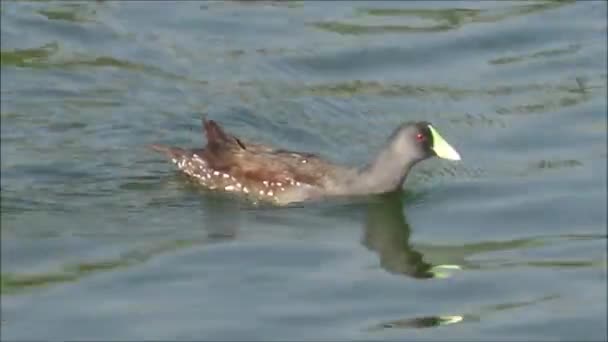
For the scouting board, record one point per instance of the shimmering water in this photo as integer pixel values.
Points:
(101, 239)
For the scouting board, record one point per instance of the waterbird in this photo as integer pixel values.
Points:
(279, 176)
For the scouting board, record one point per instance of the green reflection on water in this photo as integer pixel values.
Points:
(27, 57)
(349, 88)
(47, 57)
(355, 87)
(346, 28)
(542, 97)
(571, 49)
(452, 15)
(68, 12)
(547, 105)
(554, 164)
(443, 19)
(13, 283)
(561, 94)
(559, 264)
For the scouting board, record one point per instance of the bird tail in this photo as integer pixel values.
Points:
(218, 141)
(214, 132)
(170, 152)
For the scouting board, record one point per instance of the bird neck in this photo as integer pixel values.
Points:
(385, 173)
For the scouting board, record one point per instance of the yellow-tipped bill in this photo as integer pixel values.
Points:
(442, 148)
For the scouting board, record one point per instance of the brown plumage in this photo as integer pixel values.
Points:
(261, 171)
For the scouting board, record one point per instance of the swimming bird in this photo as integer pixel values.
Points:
(270, 174)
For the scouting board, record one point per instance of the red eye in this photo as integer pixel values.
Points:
(420, 137)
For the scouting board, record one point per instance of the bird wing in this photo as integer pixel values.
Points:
(259, 162)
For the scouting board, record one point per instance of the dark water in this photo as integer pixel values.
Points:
(102, 240)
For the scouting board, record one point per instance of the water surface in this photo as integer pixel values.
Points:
(101, 239)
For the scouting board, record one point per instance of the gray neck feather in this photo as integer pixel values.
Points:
(385, 173)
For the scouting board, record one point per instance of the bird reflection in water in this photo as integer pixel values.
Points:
(388, 234)
(420, 322)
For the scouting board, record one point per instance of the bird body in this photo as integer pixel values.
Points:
(269, 174)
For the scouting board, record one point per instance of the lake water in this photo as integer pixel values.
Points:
(102, 239)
